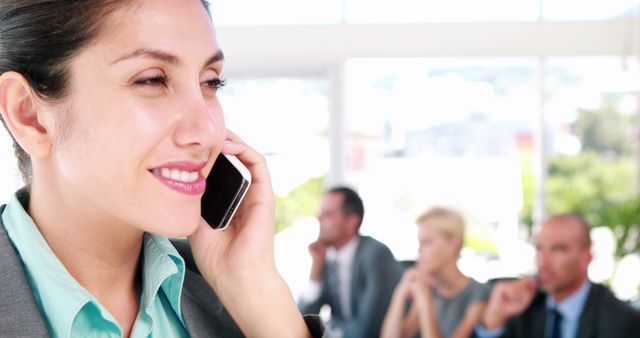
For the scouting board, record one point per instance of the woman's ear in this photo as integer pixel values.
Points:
(18, 109)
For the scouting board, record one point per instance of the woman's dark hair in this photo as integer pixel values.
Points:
(38, 38)
(352, 203)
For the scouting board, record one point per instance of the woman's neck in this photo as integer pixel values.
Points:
(450, 281)
(100, 254)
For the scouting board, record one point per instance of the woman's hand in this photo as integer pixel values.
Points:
(413, 286)
(422, 287)
(246, 246)
(396, 324)
(239, 262)
(422, 291)
(403, 290)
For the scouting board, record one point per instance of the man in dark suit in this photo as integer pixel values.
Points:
(560, 302)
(355, 275)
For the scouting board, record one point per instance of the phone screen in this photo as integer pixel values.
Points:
(227, 184)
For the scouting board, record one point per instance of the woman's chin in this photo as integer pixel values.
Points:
(425, 270)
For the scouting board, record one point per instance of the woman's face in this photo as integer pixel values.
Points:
(435, 250)
(144, 120)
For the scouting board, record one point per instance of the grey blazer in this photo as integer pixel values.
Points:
(204, 314)
(375, 275)
(603, 316)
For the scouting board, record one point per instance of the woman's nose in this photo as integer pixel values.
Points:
(201, 124)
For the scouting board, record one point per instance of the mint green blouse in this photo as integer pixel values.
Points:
(69, 310)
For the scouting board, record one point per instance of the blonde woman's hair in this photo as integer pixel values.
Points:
(446, 221)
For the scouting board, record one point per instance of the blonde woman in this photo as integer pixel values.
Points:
(434, 299)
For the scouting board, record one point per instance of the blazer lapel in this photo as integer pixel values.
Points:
(586, 327)
(356, 276)
(538, 321)
(19, 314)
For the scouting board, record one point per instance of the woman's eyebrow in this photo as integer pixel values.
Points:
(217, 56)
(166, 57)
(150, 53)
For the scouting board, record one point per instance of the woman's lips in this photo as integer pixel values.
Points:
(184, 177)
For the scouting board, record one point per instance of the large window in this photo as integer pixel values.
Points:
(462, 133)
(450, 132)
(285, 119)
(592, 118)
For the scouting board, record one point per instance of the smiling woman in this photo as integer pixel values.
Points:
(114, 111)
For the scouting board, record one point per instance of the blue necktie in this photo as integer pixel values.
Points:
(556, 323)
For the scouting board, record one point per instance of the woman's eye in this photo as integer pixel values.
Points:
(215, 83)
(156, 80)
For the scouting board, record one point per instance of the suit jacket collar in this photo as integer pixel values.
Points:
(537, 314)
(591, 312)
(358, 261)
(362, 241)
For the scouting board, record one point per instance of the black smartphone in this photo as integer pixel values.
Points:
(227, 185)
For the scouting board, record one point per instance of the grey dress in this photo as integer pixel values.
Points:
(450, 311)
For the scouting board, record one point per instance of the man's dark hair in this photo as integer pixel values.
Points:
(352, 203)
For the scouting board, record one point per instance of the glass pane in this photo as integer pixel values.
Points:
(428, 132)
(286, 120)
(589, 9)
(276, 12)
(377, 11)
(592, 113)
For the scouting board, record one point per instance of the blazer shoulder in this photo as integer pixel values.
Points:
(605, 313)
(371, 244)
(601, 298)
(19, 314)
(373, 255)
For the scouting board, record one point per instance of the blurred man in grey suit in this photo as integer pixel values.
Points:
(355, 275)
